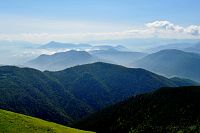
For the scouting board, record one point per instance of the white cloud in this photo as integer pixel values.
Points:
(165, 25)
(163, 29)
(193, 29)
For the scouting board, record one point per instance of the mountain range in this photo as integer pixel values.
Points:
(80, 46)
(19, 52)
(69, 95)
(172, 63)
(169, 62)
(63, 60)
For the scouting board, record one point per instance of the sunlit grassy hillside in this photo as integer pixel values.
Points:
(17, 123)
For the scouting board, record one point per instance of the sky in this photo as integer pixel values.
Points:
(88, 20)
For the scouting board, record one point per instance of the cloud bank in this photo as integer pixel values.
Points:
(165, 26)
(162, 29)
(193, 30)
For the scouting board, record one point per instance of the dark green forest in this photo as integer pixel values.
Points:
(72, 94)
(169, 110)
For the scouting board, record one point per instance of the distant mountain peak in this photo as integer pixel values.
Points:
(61, 60)
(172, 62)
(170, 50)
(59, 45)
(52, 42)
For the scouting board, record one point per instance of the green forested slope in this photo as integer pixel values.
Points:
(69, 95)
(168, 110)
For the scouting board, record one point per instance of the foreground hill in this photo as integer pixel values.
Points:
(172, 63)
(61, 60)
(166, 110)
(17, 123)
(69, 95)
(31, 92)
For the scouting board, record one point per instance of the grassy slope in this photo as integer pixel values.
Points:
(17, 123)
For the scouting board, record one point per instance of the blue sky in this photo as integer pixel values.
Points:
(125, 11)
(83, 16)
